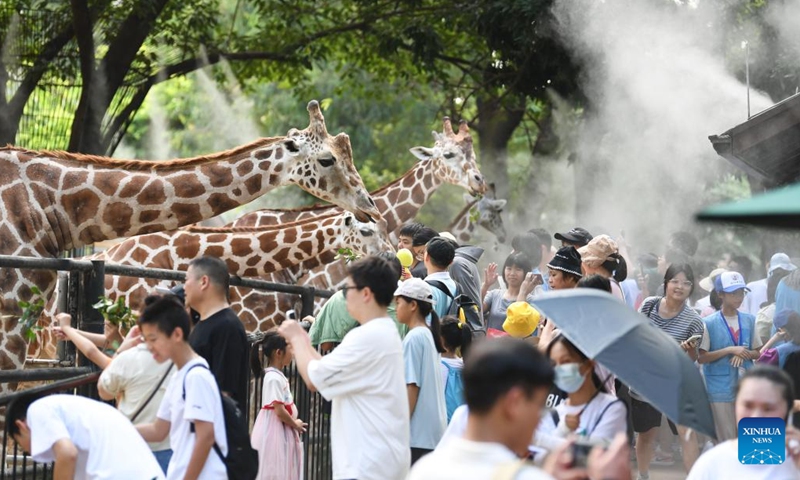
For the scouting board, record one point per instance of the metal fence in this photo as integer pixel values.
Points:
(84, 282)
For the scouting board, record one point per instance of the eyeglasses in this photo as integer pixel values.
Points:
(682, 283)
(345, 288)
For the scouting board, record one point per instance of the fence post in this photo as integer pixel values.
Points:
(62, 305)
(89, 319)
(308, 302)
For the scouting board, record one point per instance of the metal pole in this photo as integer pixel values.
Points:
(93, 283)
(308, 302)
(747, 74)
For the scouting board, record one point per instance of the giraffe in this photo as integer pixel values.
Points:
(451, 160)
(51, 201)
(489, 210)
(329, 275)
(248, 252)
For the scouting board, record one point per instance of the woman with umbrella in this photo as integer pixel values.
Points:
(763, 392)
(672, 314)
(589, 411)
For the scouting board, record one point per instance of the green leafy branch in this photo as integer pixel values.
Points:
(348, 254)
(30, 313)
(115, 312)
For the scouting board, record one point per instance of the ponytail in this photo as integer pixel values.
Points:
(616, 263)
(426, 309)
(270, 342)
(456, 335)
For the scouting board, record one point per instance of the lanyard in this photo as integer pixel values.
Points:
(728, 329)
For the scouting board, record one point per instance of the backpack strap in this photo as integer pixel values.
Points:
(441, 286)
(191, 424)
(153, 393)
(600, 417)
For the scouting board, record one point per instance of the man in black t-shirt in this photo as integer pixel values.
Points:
(219, 336)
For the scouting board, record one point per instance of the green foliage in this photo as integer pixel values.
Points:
(115, 312)
(31, 310)
(347, 254)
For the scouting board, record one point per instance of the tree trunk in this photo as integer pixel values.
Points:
(496, 124)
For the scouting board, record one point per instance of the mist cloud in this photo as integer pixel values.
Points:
(657, 90)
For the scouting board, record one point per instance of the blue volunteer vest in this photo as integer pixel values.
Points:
(784, 350)
(722, 377)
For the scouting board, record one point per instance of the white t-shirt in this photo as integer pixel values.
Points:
(205, 404)
(456, 427)
(457, 363)
(601, 419)
(422, 369)
(755, 297)
(364, 378)
(461, 459)
(722, 461)
(131, 377)
(109, 447)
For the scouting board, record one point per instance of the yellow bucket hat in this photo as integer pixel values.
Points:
(521, 320)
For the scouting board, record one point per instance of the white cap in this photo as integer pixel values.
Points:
(729, 282)
(417, 289)
(782, 261)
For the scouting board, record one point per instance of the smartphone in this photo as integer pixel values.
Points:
(580, 453)
(694, 338)
(291, 315)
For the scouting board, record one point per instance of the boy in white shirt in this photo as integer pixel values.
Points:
(86, 439)
(191, 412)
(364, 377)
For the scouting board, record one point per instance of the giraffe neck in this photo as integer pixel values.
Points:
(401, 200)
(462, 227)
(71, 200)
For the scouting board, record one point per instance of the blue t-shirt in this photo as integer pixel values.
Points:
(429, 419)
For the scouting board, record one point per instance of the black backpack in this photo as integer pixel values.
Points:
(242, 460)
(462, 307)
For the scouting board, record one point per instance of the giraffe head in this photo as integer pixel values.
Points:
(454, 158)
(323, 166)
(489, 214)
(366, 238)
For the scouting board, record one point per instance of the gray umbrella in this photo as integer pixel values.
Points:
(636, 351)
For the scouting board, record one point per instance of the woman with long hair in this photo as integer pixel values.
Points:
(601, 256)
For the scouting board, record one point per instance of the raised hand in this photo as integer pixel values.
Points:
(490, 275)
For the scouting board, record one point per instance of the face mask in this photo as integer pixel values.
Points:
(568, 377)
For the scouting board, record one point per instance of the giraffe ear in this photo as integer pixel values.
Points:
(499, 204)
(423, 153)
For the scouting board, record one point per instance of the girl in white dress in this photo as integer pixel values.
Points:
(276, 432)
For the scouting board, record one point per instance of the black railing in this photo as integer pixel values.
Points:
(84, 282)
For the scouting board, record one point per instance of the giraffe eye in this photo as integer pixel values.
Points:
(449, 155)
(327, 161)
(366, 233)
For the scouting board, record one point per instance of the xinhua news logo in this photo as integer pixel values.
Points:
(762, 441)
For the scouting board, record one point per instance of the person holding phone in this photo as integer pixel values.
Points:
(676, 318)
(730, 344)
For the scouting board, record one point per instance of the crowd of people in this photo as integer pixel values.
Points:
(420, 390)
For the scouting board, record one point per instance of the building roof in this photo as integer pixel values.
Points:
(767, 145)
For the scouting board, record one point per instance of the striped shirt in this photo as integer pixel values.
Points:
(680, 327)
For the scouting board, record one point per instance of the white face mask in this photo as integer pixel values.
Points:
(569, 378)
